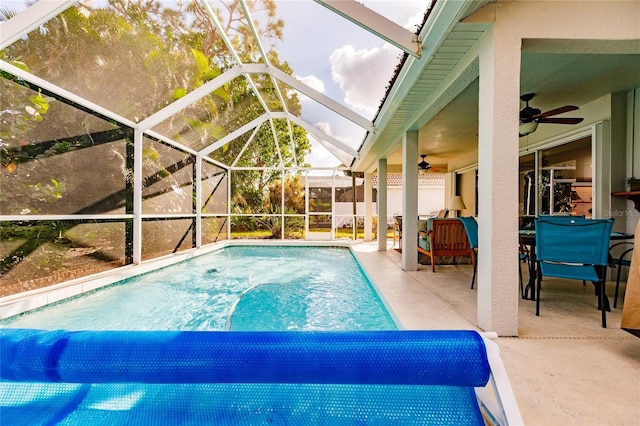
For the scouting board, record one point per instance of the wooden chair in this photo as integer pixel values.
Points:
(447, 237)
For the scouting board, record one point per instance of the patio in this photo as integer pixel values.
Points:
(173, 154)
(564, 367)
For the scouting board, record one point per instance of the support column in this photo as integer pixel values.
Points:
(332, 234)
(137, 196)
(229, 204)
(197, 186)
(368, 207)
(410, 201)
(498, 292)
(382, 204)
(601, 154)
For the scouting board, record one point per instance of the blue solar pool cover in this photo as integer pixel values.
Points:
(240, 378)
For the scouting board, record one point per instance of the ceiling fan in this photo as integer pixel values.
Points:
(423, 165)
(530, 117)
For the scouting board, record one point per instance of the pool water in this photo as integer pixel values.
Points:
(237, 288)
(357, 371)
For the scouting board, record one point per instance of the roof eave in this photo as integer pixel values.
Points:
(440, 21)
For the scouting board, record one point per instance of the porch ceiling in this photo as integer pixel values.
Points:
(559, 72)
(405, 107)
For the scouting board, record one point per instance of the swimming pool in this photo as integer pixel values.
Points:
(308, 375)
(267, 287)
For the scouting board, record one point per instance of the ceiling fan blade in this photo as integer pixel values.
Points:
(561, 120)
(438, 168)
(556, 111)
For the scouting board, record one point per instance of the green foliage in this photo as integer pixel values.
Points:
(179, 93)
(18, 64)
(151, 154)
(294, 195)
(40, 106)
(49, 192)
(19, 116)
(135, 57)
(60, 147)
(293, 204)
(149, 45)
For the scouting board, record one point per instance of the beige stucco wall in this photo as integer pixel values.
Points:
(565, 20)
(573, 23)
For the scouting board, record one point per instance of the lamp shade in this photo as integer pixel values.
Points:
(456, 203)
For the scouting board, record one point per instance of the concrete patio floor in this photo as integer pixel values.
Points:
(565, 369)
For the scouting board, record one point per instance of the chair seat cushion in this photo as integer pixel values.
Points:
(424, 244)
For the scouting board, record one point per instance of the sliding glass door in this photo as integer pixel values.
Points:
(557, 180)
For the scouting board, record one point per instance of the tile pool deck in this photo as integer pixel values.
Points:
(565, 369)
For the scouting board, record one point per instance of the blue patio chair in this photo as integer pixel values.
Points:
(578, 250)
(523, 257)
(562, 219)
(471, 227)
(619, 262)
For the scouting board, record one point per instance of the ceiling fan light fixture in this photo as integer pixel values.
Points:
(528, 128)
(530, 117)
(423, 165)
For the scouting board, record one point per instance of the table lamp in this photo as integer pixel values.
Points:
(456, 204)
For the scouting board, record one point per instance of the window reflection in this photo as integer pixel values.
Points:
(563, 182)
(167, 179)
(48, 153)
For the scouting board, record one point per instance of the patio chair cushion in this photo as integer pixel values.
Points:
(423, 243)
(425, 226)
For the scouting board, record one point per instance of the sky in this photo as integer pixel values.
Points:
(343, 61)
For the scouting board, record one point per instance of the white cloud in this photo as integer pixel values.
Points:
(415, 21)
(326, 128)
(320, 154)
(313, 82)
(363, 74)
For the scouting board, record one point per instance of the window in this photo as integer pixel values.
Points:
(562, 183)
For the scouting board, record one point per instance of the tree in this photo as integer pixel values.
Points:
(133, 57)
(294, 203)
(136, 57)
(164, 52)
